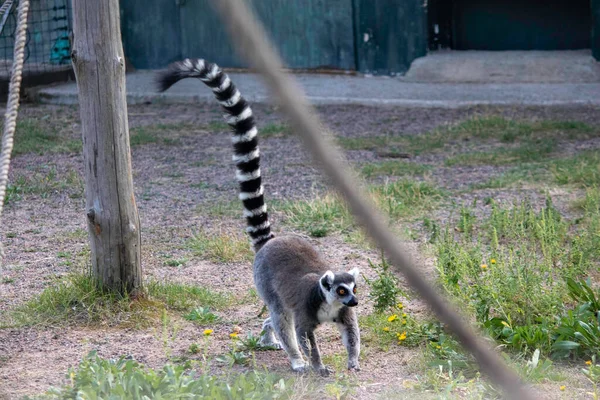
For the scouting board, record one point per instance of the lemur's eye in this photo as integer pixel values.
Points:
(342, 292)
(354, 290)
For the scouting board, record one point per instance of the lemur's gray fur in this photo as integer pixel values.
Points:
(296, 284)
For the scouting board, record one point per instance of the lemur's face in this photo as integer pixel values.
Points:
(340, 287)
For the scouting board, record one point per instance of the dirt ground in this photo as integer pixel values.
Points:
(171, 205)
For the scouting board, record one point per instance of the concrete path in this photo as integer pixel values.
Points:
(348, 89)
(453, 66)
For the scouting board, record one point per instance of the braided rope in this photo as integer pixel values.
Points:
(12, 106)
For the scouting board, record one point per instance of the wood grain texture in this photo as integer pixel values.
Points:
(113, 222)
(307, 33)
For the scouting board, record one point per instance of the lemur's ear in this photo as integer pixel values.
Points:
(354, 272)
(327, 280)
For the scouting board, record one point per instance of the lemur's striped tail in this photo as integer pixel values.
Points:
(245, 142)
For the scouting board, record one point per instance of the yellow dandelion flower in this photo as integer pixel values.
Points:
(400, 306)
(403, 322)
(233, 335)
(403, 315)
(386, 329)
(562, 388)
(438, 347)
(402, 336)
(493, 261)
(588, 362)
(484, 266)
(392, 318)
(208, 332)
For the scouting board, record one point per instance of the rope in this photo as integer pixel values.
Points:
(252, 43)
(12, 106)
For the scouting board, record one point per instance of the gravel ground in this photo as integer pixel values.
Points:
(175, 185)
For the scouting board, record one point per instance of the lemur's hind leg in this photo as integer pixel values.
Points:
(282, 322)
(268, 338)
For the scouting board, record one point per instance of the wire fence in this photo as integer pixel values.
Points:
(47, 47)
(252, 43)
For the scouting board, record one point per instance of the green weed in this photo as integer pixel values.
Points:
(515, 272)
(202, 316)
(96, 377)
(384, 290)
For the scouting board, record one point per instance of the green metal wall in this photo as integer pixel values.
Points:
(595, 4)
(371, 36)
(390, 34)
(151, 33)
(521, 25)
(307, 33)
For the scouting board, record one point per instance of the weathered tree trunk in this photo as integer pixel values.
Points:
(113, 221)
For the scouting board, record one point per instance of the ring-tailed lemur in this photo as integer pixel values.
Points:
(296, 284)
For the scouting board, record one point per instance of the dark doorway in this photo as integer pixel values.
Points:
(510, 24)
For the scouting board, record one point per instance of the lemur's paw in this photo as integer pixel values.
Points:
(353, 366)
(268, 345)
(300, 366)
(324, 370)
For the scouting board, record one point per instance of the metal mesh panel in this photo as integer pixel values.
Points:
(47, 47)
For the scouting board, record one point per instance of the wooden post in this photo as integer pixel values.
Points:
(113, 221)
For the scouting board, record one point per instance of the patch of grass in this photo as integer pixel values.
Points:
(582, 169)
(393, 168)
(526, 153)
(406, 198)
(509, 130)
(218, 126)
(327, 214)
(32, 136)
(44, 182)
(221, 247)
(530, 134)
(76, 299)
(218, 209)
(274, 130)
(364, 143)
(96, 377)
(157, 133)
(142, 135)
(318, 217)
(533, 173)
(183, 297)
